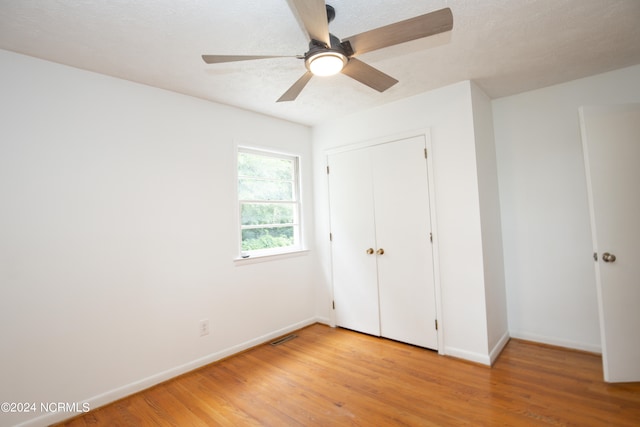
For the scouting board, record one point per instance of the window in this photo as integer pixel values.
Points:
(269, 202)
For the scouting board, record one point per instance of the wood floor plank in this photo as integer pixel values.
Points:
(330, 376)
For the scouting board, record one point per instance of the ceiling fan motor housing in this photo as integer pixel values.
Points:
(333, 58)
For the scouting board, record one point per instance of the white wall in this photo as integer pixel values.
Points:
(492, 251)
(549, 271)
(447, 112)
(118, 234)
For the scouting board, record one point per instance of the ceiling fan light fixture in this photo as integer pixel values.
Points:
(326, 63)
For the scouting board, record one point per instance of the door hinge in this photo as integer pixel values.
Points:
(333, 304)
(331, 237)
(425, 153)
(431, 237)
(327, 169)
(436, 324)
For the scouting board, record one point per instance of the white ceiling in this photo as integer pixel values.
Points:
(506, 46)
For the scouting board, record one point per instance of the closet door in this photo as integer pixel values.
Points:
(355, 280)
(403, 227)
(382, 256)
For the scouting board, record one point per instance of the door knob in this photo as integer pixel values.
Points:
(380, 251)
(607, 257)
(370, 251)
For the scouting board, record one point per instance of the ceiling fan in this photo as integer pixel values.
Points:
(328, 55)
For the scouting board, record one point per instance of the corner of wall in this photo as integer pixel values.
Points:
(459, 353)
(491, 224)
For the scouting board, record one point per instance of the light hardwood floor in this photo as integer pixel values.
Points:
(335, 377)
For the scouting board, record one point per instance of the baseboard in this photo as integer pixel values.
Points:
(324, 321)
(470, 356)
(137, 386)
(482, 359)
(497, 349)
(556, 342)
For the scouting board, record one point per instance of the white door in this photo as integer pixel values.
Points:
(355, 283)
(611, 142)
(382, 256)
(403, 226)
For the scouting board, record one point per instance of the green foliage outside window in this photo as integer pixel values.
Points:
(263, 238)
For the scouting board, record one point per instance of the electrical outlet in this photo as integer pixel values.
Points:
(204, 327)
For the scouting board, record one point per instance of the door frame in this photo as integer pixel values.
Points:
(426, 134)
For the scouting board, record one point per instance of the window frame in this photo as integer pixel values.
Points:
(296, 203)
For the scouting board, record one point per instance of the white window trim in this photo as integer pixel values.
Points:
(270, 257)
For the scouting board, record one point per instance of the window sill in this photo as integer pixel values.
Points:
(270, 257)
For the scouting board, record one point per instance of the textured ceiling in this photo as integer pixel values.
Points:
(506, 46)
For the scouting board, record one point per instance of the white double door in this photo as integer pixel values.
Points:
(383, 277)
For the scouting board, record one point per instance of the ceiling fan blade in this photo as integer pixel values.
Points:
(312, 17)
(403, 31)
(218, 59)
(368, 75)
(293, 92)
